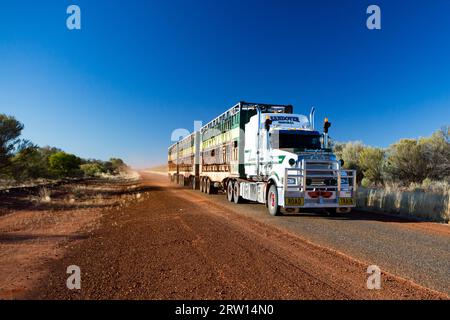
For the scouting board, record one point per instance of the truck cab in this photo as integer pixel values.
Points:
(295, 163)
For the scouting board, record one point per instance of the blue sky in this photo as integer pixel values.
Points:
(139, 69)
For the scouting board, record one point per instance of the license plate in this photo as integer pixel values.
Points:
(294, 202)
(346, 202)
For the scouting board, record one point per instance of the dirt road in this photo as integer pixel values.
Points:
(180, 244)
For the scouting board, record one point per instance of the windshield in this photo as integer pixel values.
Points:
(299, 140)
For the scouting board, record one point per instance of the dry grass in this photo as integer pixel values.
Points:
(429, 201)
(428, 186)
(44, 195)
(72, 195)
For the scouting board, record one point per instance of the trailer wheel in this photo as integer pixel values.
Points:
(208, 186)
(230, 191)
(236, 197)
(202, 185)
(212, 188)
(272, 201)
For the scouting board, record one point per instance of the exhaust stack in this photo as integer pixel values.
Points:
(311, 117)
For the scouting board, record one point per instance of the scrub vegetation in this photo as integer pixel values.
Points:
(22, 162)
(409, 164)
(411, 177)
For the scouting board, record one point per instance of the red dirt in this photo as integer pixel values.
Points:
(35, 231)
(175, 244)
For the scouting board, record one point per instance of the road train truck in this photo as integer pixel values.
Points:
(264, 153)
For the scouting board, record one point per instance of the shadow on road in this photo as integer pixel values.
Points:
(17, 238)
(355, 215)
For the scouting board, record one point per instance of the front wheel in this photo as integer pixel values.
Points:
(272, 201)
(343, 210)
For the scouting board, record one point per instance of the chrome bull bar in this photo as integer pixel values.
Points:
(319, 178)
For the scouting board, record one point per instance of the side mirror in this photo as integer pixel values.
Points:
(341, 162)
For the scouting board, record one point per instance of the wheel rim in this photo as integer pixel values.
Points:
(272, 202)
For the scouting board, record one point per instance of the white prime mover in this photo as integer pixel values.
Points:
(267, 154)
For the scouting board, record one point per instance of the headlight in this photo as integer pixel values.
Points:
(291, 162)
(291, 181)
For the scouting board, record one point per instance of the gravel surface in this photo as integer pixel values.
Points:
(419, 251)
(176, 243)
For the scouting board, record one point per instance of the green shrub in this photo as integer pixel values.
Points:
(436, 154)
(115, 166)
(406, 162)
(371, 161)
(64, 164)
(350, 153)
(32, 163)
(92, 169)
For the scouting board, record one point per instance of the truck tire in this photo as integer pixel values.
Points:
(212, 188)
(236, 197)
(272, 201)
(208, 187)
(339, 211)
(202, 185)
(230, 191)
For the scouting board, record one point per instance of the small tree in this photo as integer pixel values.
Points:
(406, 162)
(436, 153)
(10, 130)
(64, 164)
(32, 162)
(28, 164)
(350, 153)
(371, 163)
